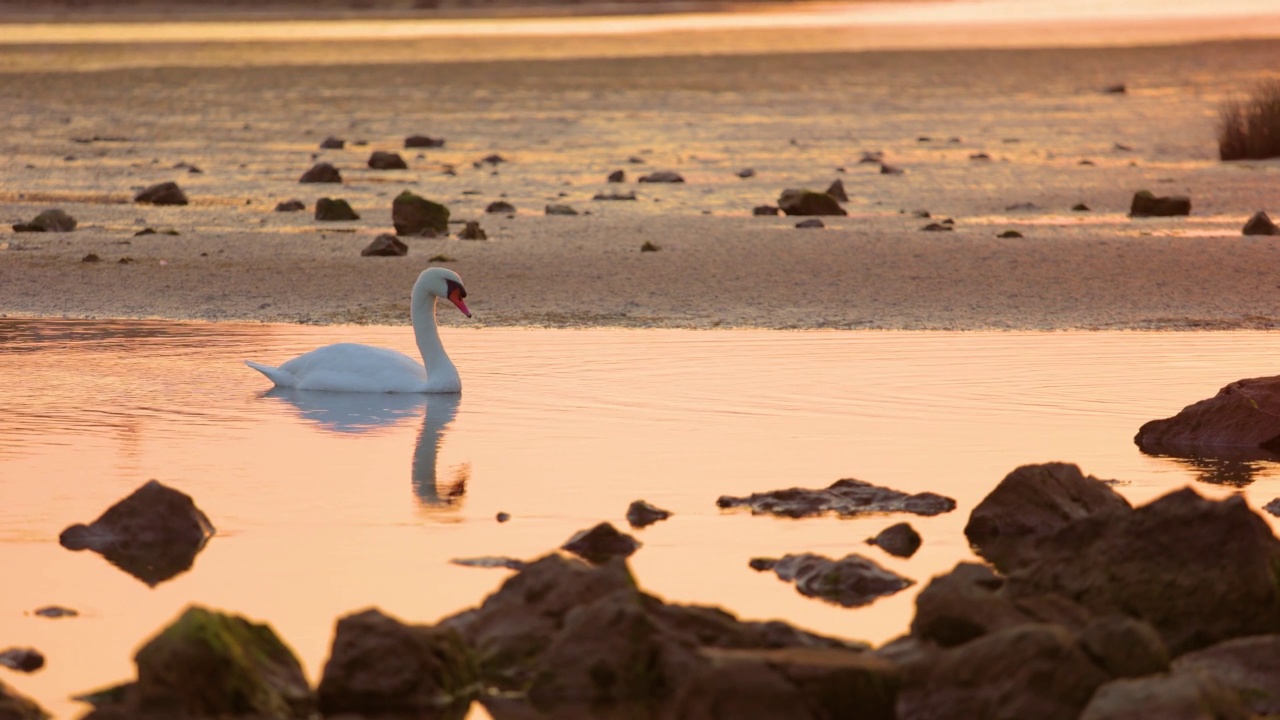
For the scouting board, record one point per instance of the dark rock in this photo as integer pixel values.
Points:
(490, 561)
(412, 215)
(887, 169)
(979, 156)
(762, 564)
(847, 497)
(14, 706)
(1260, 224)
(1124, 647)
(616, 176)
(381, 666)
(500, 206)
(1121, 147)
(502, 517)
(332, 143)
(91, 258)
(1196, 588)
(291, 206)
(615, 196)
(1010, 234)
(22, 659)
(851, 581)
(51, 220)
(1087, 162)
(1146, 204)
(560, 210)
(635, 160)
(153, 534)
(126, 260)
(1026, 671)
(382, 160)
(1249, 667)
(385, 245)
(808, 202)
(900, 540)
(333, 209)
(938, 227)
(165, 193)
(493, 159)
(1021, 206)
(55, 611)
(745, 173)
(1117, 89)
(871, 156)
(423, 141)
(765, 210)
(321, 173)
(1080, 207)
(209, 664)
(836, 190)
(1033, 501)
(1243, 415)
(642, 514)
(1167, 697)
(1273, 507)
(810, 223)
(649, 247)
(601, 543)
(662, 176)
(145, 231)
(472, 231)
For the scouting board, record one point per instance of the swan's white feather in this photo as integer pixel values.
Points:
(350, 367)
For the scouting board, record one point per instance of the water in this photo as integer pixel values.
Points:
(325, 506)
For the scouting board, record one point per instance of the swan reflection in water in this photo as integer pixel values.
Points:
(356, 413)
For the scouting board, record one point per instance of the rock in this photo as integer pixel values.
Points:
(291, 206)
(808, 202)
(1124, 647)
(745, 173)
(810, 223)
(846, 497)
(1260, 224)
(938, 227)
(900, 540)
(423, 141)
(55, 611)
(493, 159)
(491, 561)
(979, 156)
(601, 543)
(649, 247)
(412, 215)
(887, 169)
(165, 193)
(51, 220)
(642, 514)
(1010, 234)
(871, 156)
(91, 258)
(616, 176)
(502, 517)
(382, 160)
(1146, 204)
(22, 659)
(560, 210)
(1026, 671)
(1033, 501)
(851, 581)
(662, 176)
(615, 196)
(1167, 697)
(321, 173)
(14, 706)
(500, 206)
(332, 143)
(1244, 415)
(1273, 507)
(153, 534)
(472, 231)
(765, 210)
(334, 209)
(1117, 89)
(1080, 207)
(836, 190)
(1028, 206)
(385, 245)
(1249, 667)
(1196, 588)
(380, 666)
(210, 664)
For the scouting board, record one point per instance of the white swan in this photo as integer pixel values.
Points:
(349, 367)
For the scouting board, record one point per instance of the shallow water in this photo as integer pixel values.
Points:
(326, 505)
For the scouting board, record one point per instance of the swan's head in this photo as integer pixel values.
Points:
(440, 282)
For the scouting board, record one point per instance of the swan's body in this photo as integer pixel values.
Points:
(350, 367)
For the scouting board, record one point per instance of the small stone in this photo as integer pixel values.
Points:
(22, 659)
(762, 564)
(615, 196)
(493, 159)
(500, 206)
(91, 258)
(616, 176)
(979, 156)
(1147, 204)
(1087, 162)
(649, 247)
(334, 209)
(124, 260)
(54, 611)
(490, 562)
(662, 176)
(1010, 234)
(291, 206)
(502, 517)
(642, 514)
(745, 173)
(440, 258)
(899, 540)
(145, 231)
(385, 245)
(560, 210)
(1260, 224)
(321, 173)
(165, 193)
(937, 227)
(765, 210)
(381, 160)
(1080, 207)
(810, 223)
(423, 141)
(332, 143)
(472, 231)
(1116, 89)
(886, 169)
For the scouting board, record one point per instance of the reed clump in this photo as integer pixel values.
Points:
(1250, 129)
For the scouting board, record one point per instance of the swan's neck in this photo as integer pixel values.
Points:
(441, 373)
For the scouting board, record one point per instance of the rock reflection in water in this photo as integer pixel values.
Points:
(358, 413)
(1230, 467)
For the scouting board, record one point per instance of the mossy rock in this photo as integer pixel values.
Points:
(413, 214)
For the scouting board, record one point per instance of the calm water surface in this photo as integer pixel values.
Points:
(326, 505)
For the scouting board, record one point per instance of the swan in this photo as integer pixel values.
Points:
(350, 367)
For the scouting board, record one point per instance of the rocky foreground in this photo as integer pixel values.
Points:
(1090, 609)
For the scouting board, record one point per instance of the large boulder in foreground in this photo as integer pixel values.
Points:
(847, 497)
(1033, 501)
(153, 534)
(414, 215)
(210, 664)
(1147, 204)
(14, 706)
(1243, 416)
(1167, 697)
(165, 193)
(794, 201)
(1249, 666)
(1200, 571)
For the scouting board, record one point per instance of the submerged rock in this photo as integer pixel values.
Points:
(321, 173)
(601, 543)
(385, 245)
(1244, 415)
(334, 209)
(413, 214)
(642, 514)
(51, 220)
(846, 497)
(165, 193)
(900, 540)
(22, 659)
(1147, 204)
(1260, 224)
(153, 534)
(794, 201)
(851, 581)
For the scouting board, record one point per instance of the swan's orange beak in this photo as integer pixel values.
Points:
(455, 297)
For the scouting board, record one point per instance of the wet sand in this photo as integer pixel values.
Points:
(252, 122)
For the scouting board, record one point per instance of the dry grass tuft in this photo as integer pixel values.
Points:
(1250, 129)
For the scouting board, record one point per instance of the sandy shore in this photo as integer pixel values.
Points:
(1054, 139)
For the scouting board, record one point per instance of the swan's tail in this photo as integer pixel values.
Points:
(281, 378)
